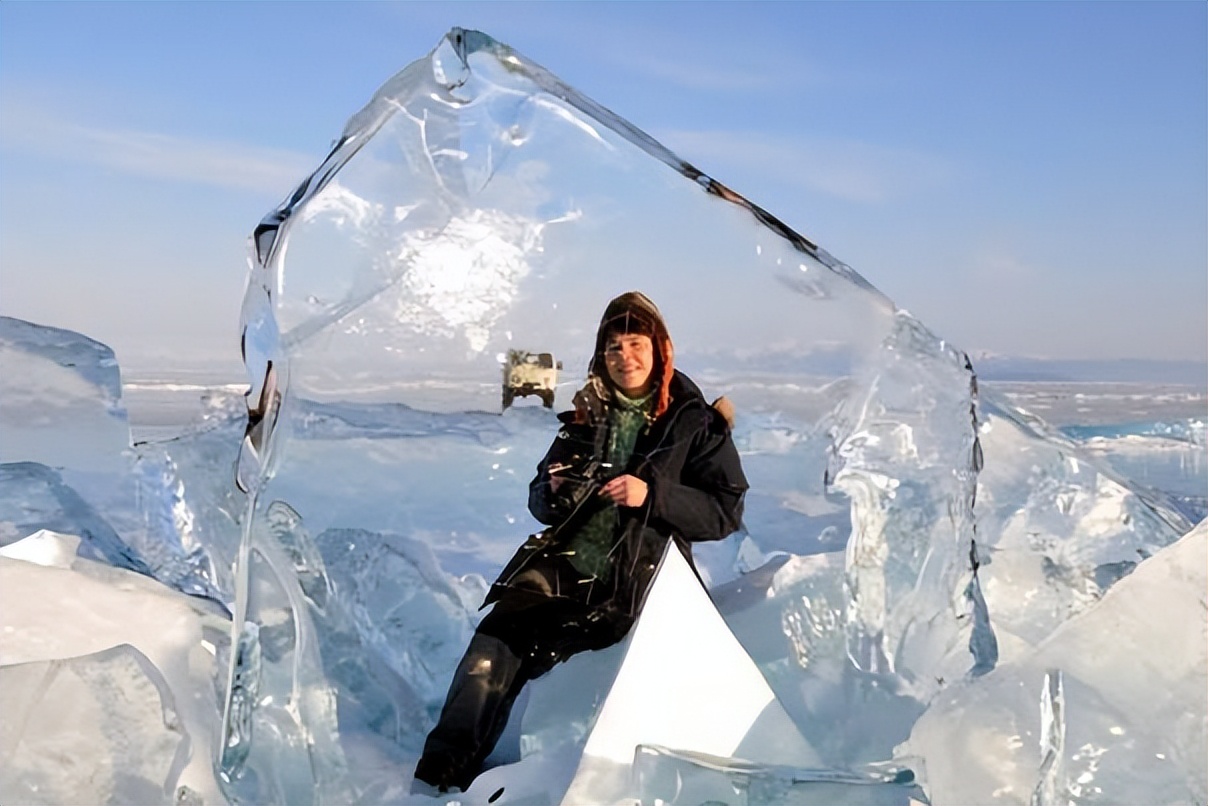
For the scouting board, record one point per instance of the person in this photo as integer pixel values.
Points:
(641, 461)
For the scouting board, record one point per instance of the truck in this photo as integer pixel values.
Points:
(526, 373)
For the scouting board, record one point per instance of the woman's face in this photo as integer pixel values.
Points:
(630, 361)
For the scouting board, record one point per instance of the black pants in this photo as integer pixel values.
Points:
(522, 638)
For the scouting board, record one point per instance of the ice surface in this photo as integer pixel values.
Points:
(1170, 456)
(101, 728)
(1154, 435)
(1110, 708)
(109, 681)
(904, 534)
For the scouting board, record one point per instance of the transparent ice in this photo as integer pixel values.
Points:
(62, 394)
(1110, 708)
(1058, 524)
(67, 464)
(478, 204)
(670, 777)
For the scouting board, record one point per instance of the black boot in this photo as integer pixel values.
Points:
(476, 710)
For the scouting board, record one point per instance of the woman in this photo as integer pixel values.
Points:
(642, 460)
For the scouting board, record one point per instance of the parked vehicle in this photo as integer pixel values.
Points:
(527, 373)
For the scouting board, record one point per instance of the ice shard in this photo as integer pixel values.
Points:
(189, 505)
(65, 438)
(33, 497)
(793, 625)
(109, 681)
(97, 729)
(674, 777)
(1110, 708)
(1056, 524)
(62, 395)
(478, 205)
(1055, 531)
(68, 465)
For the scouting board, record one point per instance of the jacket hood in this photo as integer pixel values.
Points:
(634, 312)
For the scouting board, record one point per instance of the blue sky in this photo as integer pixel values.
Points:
(1026, 178)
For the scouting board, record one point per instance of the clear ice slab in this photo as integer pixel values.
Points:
(62, 395)
(1110, 708)
(670, 777)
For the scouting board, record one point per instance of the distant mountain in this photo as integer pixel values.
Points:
(825, 360)
(1122, 370)
(834, 360)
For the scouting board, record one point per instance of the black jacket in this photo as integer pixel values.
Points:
(696, 487)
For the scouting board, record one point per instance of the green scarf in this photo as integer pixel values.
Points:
(590, 547)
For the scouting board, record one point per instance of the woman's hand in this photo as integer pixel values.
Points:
(626, 491)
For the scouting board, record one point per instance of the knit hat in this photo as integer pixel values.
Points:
(634, 313)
